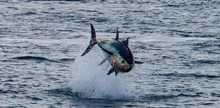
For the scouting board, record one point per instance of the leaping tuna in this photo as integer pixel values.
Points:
(117, 53)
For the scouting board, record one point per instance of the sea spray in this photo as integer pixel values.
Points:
(90, 80)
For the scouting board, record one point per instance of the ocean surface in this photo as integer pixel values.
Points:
(41, 42)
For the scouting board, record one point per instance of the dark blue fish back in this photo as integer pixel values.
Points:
(124, 51)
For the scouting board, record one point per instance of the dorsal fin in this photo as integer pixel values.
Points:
(126, 41)
(117, 35)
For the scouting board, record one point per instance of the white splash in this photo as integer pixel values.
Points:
(90, 79)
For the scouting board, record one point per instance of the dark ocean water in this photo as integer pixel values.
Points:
(41, 43)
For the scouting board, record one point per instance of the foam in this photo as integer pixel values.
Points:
(90, 80)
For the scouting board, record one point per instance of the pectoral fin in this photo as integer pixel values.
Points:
(108, 52)
(103, 61)
(111, 71)
(138, 62)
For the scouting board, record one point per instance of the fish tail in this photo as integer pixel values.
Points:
(93, 40)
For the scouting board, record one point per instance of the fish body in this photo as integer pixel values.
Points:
(116, 52)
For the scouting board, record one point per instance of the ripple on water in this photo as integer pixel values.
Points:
(41, 59)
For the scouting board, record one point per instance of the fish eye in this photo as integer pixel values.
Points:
(123, 61)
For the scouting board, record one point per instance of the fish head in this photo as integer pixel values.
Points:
(120, 64)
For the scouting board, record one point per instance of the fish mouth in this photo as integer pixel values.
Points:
(127, 68)
(122, 67)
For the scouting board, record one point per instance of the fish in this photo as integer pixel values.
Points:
(116, 52)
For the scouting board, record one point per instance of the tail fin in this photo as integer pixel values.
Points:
(93, 40)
